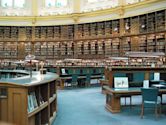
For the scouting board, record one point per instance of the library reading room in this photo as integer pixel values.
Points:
(82, 62)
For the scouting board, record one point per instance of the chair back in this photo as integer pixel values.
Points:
(149, 94)
(88, 78)
(74, 78)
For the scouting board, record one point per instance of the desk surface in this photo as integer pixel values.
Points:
(26, 80)
(127, 90)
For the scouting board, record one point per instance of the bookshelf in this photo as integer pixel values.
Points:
(160, 42)
(143, 23)
(50, 50)
(100, 29)
(115, 27)
(151, 22)
(115, 47)
(7, 33)
(37, 49)
(50, 33)
(37, 33)
(28, 33)
(86, 30)
(151, 43)
(126, 44)
(108, 28)
(57, 32)
(43, 33)
(57, 51)
(14, 33)
(108, 44)
(79, 31)
(35, 102)
(127, 26)
(101, 47)
(143, 43)
(135, 25)
(160, 20)
(107, 38)
(93, 30)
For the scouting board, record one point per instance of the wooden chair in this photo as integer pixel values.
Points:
(150, 100)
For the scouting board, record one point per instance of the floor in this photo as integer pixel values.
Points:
(86, 107)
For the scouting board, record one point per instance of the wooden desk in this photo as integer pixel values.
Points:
(113, 97)
(103, 83)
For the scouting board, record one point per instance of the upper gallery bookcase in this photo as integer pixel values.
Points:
(145, 32)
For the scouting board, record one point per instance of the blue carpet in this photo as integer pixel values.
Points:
(87, 107)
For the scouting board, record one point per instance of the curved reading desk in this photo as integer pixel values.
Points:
(26, 100)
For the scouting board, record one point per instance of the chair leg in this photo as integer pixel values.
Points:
(160, 109)
(156, 112)
(130, 102)
(142, 110)
(125, 100)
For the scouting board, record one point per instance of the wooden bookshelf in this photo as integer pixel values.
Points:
(143, 23)
(137, 33)
(108, 28)
(126, 44)
(127, 26)
(115, 27)
(143, 43)
(151, 43)
(160, 42)
(31, 103)
(160, 20)
(135, 25)
(151, 22)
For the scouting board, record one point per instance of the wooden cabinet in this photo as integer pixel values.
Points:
(29, 104)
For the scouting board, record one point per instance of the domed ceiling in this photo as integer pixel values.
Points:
(56, 7)
(55, 12)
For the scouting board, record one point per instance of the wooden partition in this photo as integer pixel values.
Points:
(134, 74)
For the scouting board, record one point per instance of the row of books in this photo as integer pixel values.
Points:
(33, 103)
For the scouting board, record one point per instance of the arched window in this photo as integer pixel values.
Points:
(91, 5)
(50, 3)
(6, 3)
(61, 3)
(92, 1)
(13, 3)
(56, 3)
(133, 1)
(54, 7)
(19, 3)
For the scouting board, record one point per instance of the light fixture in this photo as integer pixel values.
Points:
(127, 27)
(30, 58)
(115, 29)
(143, 26)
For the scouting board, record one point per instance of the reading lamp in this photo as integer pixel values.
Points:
(29, 58)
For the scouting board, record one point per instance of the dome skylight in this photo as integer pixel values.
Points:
(55, 7)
